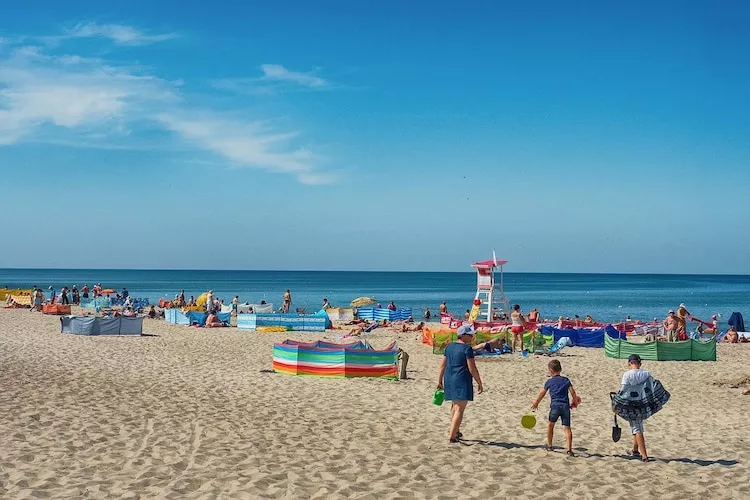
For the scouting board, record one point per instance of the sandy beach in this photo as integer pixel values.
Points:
(196, 413)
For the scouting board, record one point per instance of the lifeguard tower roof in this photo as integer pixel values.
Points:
(489, 263)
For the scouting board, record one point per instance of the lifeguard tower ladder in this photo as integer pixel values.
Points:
(494, 305)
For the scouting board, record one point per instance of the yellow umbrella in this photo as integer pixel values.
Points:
(363, 302)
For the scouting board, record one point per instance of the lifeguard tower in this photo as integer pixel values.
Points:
(494, 305)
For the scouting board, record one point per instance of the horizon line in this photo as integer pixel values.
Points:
(354, 271)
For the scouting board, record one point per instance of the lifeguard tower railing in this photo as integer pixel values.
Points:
(494, 305)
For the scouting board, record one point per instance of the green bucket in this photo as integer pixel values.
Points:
(438, 397)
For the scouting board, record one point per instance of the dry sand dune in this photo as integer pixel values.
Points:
(194, 413)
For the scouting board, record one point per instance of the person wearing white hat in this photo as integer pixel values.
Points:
(682, 315)
(457, 370)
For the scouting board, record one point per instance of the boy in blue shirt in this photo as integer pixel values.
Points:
(558, 388)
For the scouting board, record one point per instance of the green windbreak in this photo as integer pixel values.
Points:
(687, 350)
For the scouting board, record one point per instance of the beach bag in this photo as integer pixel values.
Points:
(640, 401)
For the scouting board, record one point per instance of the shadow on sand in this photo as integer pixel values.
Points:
(584, 453)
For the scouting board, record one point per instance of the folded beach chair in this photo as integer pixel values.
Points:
(555, 349)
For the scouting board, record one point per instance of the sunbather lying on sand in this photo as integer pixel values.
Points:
(732, 337)
(490, 345)
(412, 328)
(360, 329)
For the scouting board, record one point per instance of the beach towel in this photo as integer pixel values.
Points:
(640, 401)
(737, 321)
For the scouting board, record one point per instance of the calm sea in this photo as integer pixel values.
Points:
(608, 297)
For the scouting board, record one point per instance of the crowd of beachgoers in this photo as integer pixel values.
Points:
(674, 327)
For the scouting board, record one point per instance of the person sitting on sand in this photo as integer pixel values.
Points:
(151, 312)
(427, 314)
(443, 308)
(467, 315)
(128, 312)
(326, 304)
(213, 321)
(391, 306)
(589, 319)
(732, 336)
(412, 328)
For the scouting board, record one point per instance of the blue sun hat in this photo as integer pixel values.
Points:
(465, 330)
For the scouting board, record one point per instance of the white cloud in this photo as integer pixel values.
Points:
(70, 92)
(277, 72)
(118, 33)
(248, 144)
(48, 97)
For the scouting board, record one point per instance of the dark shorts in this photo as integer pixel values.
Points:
(561, 412)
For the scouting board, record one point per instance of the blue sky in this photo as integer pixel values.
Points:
(570, 136)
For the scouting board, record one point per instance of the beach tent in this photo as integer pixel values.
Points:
(326, 359)
(687, 350)
(323, 314)
(381, 313)
(583, 337)
(82, 325)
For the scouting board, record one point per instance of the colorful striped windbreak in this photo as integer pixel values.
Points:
(326, 359)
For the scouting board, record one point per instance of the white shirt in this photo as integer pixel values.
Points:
(635, 377)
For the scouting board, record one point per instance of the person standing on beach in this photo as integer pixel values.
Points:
(287, 305)
(235, 304)
(516, 327)
(670, 326)
(64, 296)
(51, 295)
(85, 291)
(427, 314)
(209, 300)
(443, 308)
(457, 370)
(633, 377)
(682, 315)
(76, 295)
(534, 315)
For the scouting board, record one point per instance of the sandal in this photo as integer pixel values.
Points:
(570, 453)
(548, 448)
(635, 454)
(459, 435)
(453, 440)
(646, 460)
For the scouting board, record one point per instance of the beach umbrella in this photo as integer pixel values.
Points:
(363, 302)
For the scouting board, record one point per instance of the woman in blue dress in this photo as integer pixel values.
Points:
(456, 373)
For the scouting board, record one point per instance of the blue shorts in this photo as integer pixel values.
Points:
(562, 412)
